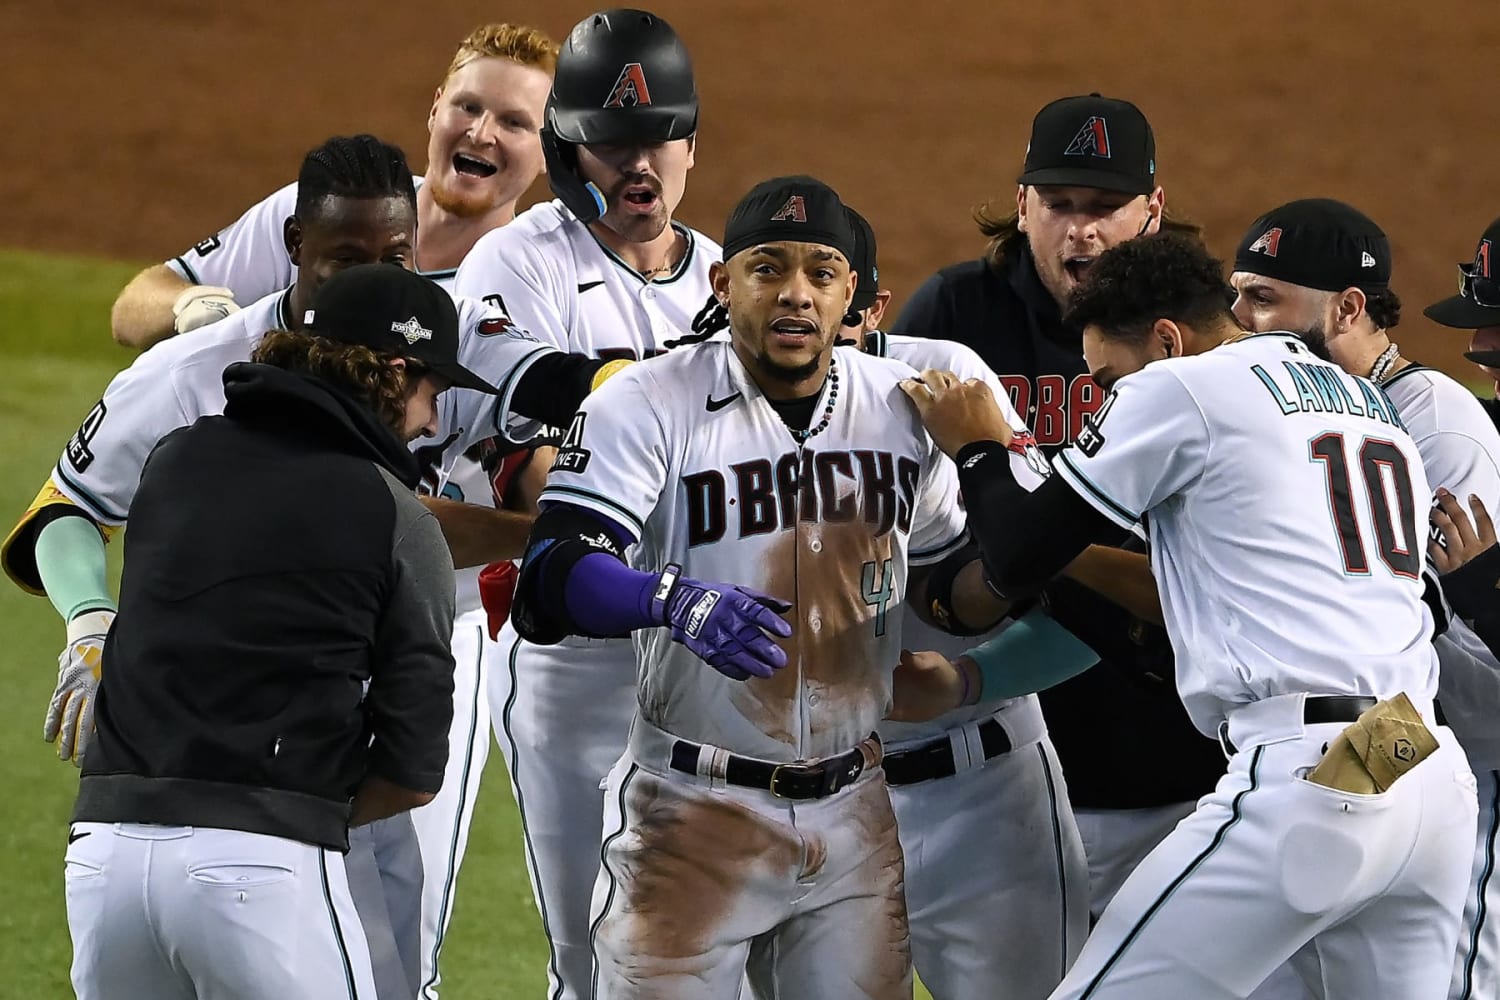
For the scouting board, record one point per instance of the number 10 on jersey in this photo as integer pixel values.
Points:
(1387, 478)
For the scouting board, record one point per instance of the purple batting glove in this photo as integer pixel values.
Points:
(723, 624)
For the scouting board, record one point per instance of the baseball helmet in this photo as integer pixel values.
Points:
(622, 76)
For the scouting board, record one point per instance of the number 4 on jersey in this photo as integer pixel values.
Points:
(878, 596)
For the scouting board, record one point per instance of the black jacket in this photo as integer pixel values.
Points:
(276, 562)
(1120, 730)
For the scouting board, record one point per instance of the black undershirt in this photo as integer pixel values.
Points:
(796, 413)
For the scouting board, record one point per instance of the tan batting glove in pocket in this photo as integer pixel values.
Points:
(1382, 745)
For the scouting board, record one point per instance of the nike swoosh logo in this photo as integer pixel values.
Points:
(584, 286)
(76, 836)
(715, 405)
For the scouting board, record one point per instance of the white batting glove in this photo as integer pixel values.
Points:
(70, 716)
(201, 305)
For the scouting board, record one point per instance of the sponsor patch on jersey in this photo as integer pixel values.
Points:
(77, 450)
(572, 456)
(206, 247)
(1091, 438)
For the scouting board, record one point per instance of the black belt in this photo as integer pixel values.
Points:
(1316, 709)
(816, 780)
(935, 759)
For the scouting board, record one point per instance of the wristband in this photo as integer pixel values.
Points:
(669, 577)
(1468, 587)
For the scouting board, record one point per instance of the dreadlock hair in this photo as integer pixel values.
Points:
(358, 166)
(1001, 227)
(1161, 276)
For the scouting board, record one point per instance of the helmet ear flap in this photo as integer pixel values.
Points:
(582, 198)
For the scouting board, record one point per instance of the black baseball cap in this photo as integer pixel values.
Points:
(863, 262)
(795, 209)
(394, 311)
(1317, 243)
(1477, 303)
(1091, 141)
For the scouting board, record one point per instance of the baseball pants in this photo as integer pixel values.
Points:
(442, 826)
(185, 913)
(384, 872)
(703, 883)
(996, 884)
(1476, 974)
(564, 713)
(1115, 841)
(1270, 862)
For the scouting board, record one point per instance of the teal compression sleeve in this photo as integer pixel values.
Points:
(1033, 654)
(70, 560)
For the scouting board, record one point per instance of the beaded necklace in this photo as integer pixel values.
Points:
(833, 394)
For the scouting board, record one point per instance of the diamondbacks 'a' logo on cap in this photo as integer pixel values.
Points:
(794, 210)
(1366, 259)
(630, 90)
(412, 330)
(1092, 139)
(1267, 242)
(1482, 259)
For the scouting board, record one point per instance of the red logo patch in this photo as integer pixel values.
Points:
(630, 88)
(1267, 242)
(794, 209)
(1092, 139)
(492, 326)
(1482, 259)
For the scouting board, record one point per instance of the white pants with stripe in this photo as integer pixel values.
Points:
(562, 715)
(703, 883)
(442, 825)
(1270, 862)
(996, 884)
(185, 913)
(1476, 974)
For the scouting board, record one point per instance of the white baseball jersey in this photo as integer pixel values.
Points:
(249, 256)
(1029, 466)
(552, 276)
(705, 473)
(181, 379)
(1287, 507)
(1460, 450)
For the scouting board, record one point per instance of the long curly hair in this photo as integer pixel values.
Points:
(365, 374)
(999, 223)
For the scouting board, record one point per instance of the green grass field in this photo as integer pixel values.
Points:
(54, 336)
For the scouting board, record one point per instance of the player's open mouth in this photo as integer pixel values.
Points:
(793, 331)
(471, 166)
(643, 198)
(1077, 267)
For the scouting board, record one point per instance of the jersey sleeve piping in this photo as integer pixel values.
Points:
(923, 557)
(1097, 498)
(186, 270)
(507, 389)
(597, 502)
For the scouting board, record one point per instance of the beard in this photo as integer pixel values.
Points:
(1315, 338)
(790, 374)
(464, 206)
